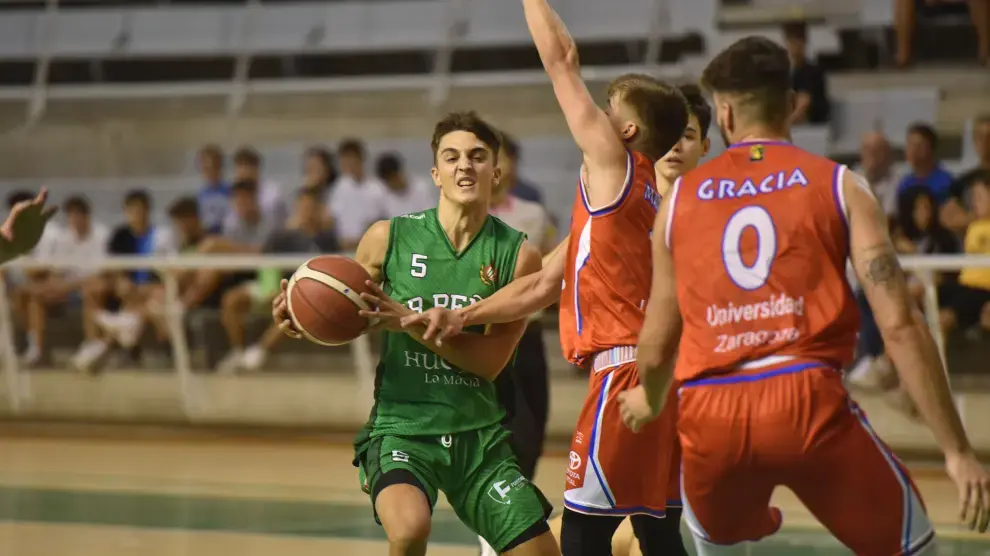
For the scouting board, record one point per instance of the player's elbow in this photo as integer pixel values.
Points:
(903, 328)
(565, 61)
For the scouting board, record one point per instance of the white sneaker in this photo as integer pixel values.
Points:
(126, 328)
(254, 357)
(231, 363)
(31, 355)
(88, 356)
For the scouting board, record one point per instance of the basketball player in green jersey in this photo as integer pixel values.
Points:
(436, 424)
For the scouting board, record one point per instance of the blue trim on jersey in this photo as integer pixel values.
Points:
(736, 379)
(626, 188)
(594, 437)
(612, 511)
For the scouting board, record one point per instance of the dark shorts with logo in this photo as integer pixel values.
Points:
(477, 471)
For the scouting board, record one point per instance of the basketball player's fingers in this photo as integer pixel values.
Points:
(964, 497)
(375, 289)
(372, 299)
(985, 504)
(41, 197)
(286, 328)
(284, 285)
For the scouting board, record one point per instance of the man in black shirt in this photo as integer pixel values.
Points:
(955, 214)
(811, 104)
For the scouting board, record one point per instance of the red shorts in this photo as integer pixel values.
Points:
(744, 435)
(614, 471)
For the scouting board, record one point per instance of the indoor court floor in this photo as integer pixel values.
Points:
(181, 497)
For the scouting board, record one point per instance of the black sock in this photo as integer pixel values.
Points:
(587, 535)
(660, 537)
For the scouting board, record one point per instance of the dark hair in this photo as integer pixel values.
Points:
(796, 30)
(76, 203)
(510, 146)
(350, 146)
(758, 72)
(660, 107)
(184, 207)
(698, 106)
(326, 158)
(247, 156)
(388, 165)
(941, 239)
(471, 123)
(212, 151)
(18, 197)
(310, 193)
(246, 186)
(926, 131)
(137, 196)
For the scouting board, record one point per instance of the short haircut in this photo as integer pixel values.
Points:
(137, 196)
(470, 122)
(698, 107)
(247, 156)
(660, 107)
(244, 186)
(213, 152)
(926, 131)
(388, 165)
(510, 146)
(352, 147)
(757, 71)
(184, 207)
(19, 197)
(796, 30)
(76, 203)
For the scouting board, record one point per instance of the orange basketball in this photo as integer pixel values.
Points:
(324, 297)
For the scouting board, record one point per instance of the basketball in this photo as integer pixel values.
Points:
(324, 297)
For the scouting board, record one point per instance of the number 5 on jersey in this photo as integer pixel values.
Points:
(418, 264)
(754, 276)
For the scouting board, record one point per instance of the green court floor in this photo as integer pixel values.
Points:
(306, 519)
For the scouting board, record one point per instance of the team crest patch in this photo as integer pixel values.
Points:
(488, 275)
(756, 153)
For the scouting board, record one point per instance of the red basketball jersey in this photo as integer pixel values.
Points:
(609, 264)
(759, 240)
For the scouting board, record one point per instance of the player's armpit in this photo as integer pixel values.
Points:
(588, 123)
(372, 248)
(908, 340)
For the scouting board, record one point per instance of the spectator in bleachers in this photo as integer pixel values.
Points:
(955, 214)
(811, 104)
(319, 170)
(875, 163)
(126, 290)
(310, 235)
(356, 200)
(906, 13)
(970, 303)
(925, 168)
(81, 241)
(403, 194)
(247, 167)
(214, 195)
(510, 176)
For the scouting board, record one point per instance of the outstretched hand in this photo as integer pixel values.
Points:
(24, 225)
(384, 311)
(280, 313)
(440, 323)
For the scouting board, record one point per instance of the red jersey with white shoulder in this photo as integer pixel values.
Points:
(609, 265)
(759, 238)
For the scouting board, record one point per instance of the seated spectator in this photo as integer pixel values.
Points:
(81, 242)
(926, 170)
(875, 163)
(955, 214)
(319, 170)
(509, 163)
(404, 195)
(214, 195)
(906, 13)
(811, 104)
(16, 278)
(310, 236)
(247, 167)
(356, 200)
(970, 303)
(126, 290)
(917, 231)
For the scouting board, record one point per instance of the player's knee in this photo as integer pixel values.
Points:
(405, 514)
(660, 536)
(582, 534)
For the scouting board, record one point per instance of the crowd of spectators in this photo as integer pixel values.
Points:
(236, 210)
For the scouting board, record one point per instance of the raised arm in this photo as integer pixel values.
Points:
(604, 153)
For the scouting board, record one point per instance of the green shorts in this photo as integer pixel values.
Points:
(476, 470)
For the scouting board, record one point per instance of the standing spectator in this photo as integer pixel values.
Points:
(247, 167)
(926, 170)
(124, 289)
(319, 170)
(309, 236)
(875, 163)
(81, 242)
(811, 105)
(404, 195)
(970, 304)
(509, 163)
(906, 14)
(214, 195)
(357, 200)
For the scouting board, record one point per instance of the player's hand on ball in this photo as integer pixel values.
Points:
(440, 323)
(973, 483)
(635, 408)
(387, 310)
(280, 313)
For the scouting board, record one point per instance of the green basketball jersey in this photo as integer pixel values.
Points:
(416, 391)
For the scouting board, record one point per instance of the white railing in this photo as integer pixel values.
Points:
(925, 267)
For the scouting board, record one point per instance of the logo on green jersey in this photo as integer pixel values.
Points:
(499, 491)
(488, 274)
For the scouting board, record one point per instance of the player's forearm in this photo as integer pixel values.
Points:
(655, 356)
(553, 42)
(518, 300)
(479, 354)
(915, 356)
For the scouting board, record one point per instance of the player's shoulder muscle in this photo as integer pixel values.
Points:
(528, 261)
(373, 248)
